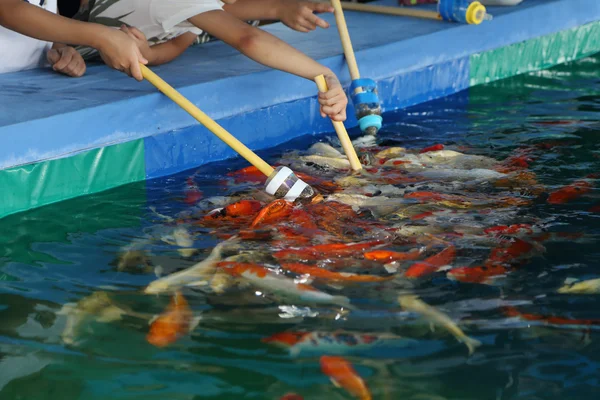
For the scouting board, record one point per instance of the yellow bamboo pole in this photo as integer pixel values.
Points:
(345, 38)
(402, 11)
(340, 129)
(208, 122)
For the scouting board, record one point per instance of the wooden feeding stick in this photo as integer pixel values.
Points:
(345, 38)
(208, 122)
(402, 11)
(340, 129)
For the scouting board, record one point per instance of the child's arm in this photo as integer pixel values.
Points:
(117, 50)
(296, 14)
(160, 53)
(268, 50)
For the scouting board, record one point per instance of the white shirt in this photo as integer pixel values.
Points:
(159, 20)
(19, 52)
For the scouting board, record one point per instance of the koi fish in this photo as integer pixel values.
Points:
(175, 322)
(198, 274)
(435, 147)
(282, 286)
(325, 150)
(414, 304)
(388, 256)
(431, 264)
(192, 193)
(243, 208)
(98, 306)
(272, 212)
(343, 375)
(322, 273)
(475, 174)
(570, 192)
(390, 152)
(511, 311)
(326, 251)
(516, 250)
(516, 229)
(327, 162)
(248, 174)
(590, 286)
(184, 241)
(478, 274)
(338, 343)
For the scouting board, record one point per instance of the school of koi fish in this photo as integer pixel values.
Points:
(365, 244)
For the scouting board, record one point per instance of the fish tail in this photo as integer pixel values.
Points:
(471, 344)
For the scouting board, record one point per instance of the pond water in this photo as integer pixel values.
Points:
(536, 343)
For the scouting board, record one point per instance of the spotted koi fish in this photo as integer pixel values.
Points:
(338, 343)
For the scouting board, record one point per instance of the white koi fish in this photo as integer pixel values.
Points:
(281, 286)
(414, 304)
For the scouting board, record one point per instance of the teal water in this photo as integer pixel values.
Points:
(64, 252)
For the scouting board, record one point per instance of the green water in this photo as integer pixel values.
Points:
(64, 252)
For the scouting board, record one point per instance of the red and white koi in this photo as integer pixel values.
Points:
(337, 343)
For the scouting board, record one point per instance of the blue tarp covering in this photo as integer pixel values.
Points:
(44, 115)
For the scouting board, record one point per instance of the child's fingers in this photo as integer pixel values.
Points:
(316, 21)
(320, 7)
(53, 56)
(307, 25)
(75, 69)
(65, 59)
(332, 99)
(137, 33)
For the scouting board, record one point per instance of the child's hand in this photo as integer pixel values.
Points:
(120, 52)
(66, 60)
(140, 40)
(298, 14)
(334, 101)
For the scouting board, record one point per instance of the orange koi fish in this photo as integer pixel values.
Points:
(387, 256)
(479, 274)
(248, 174)
(435, 147)
(431, 264)
(243, 208)
(275, 211)
(510, 311)
(510, 254)
(280, 285)
(316, 272)
(342, 374)
(175, 322)
(326, 250)
(570, 192)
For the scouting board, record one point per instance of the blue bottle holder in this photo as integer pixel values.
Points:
(366, 105)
